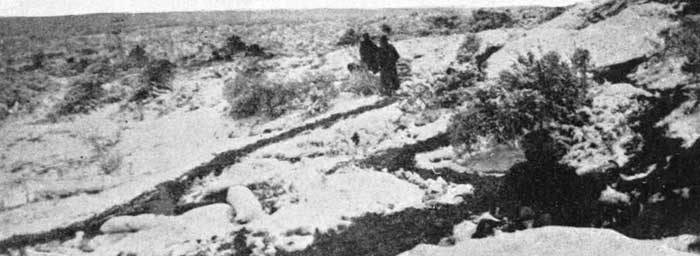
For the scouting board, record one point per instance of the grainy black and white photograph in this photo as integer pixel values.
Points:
(349, 128)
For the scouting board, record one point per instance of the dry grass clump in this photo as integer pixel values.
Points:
(83, 96)
(154, 78)
(362, 82)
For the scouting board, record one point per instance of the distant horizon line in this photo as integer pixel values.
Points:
(282, 9)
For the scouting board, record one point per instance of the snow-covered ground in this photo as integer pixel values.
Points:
(552, 241)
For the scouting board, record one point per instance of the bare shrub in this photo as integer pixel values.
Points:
(362, 82)
(316, 90)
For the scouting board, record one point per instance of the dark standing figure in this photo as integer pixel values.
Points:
(368, 53)
(388, 56)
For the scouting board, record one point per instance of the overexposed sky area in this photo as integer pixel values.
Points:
(68, 7)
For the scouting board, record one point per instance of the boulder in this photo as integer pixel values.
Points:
(244, 203)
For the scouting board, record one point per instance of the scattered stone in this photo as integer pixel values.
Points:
(244, 203)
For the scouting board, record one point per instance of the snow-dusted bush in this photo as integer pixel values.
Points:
(607, 136)
(451, 87)
(252, 92)
(315, 92)
(535, 94)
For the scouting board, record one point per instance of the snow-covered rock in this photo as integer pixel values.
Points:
(683, 125)
(454, 193)
(149, 234)
(463, 231)
(551, 240)
(631, 34)
(244, 203)
(612, 196)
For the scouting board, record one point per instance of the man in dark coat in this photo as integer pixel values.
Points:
(368, 53)
(387, 57)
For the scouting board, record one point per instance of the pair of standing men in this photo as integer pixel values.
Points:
(382, 59)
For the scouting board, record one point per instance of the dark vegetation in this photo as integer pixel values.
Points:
(455, 86)
(235, 46)
(155, 77)
(21, 91)
(486, 19)
(83, 96)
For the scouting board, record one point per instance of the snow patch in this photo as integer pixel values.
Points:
(552, 241)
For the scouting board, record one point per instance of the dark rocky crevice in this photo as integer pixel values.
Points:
(176, 188)
(618, 73)
(673, 169)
